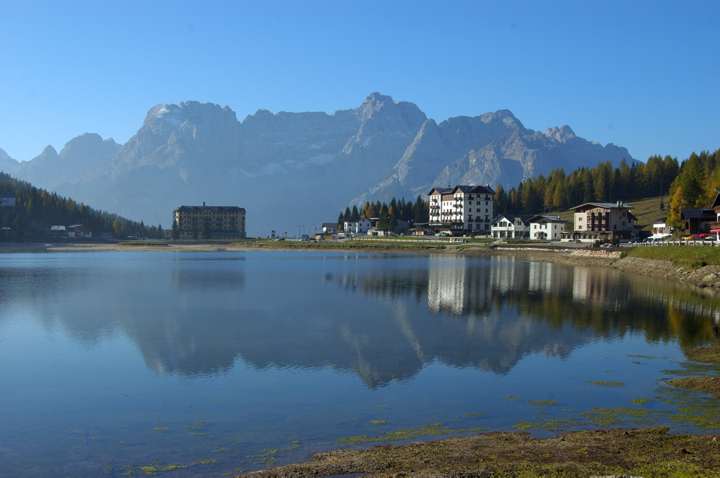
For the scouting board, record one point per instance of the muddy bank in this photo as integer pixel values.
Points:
(643, 452)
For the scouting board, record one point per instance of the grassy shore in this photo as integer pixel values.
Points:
(647, 453)
(685, 256)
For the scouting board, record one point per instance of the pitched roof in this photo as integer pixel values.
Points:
(698, 213)
(474, 189)
(465, 189)
(440, 190)
(604, 205)
(543, 218)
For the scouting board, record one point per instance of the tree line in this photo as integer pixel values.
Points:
(389, 214)
(696, 185)
(36, 210)
(559, 191)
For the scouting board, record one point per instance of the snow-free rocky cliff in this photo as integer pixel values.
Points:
(293, 169)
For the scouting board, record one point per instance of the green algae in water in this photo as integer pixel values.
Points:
(550, 425)
(378, 422)
(543, 403)
(433, 429)
(641, 401)
(608, 383)
(474, 415)
(613, 416)
(642, 356)
(512, 397)
(161, 429)
(156, 469)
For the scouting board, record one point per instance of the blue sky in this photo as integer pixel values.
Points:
(642, 74)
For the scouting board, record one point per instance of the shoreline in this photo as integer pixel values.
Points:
(702, 278)
(614, 452)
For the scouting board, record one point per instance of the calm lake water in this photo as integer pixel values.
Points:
(210, 363)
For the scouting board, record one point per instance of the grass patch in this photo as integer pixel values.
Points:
(686, 256)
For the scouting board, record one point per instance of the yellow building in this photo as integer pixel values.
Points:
(209, 222)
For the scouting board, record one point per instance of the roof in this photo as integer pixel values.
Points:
(474, 189)
(604, 205)
(214, 208)
(543, 218)
(463, 188)
(698, 213)
(329, 224)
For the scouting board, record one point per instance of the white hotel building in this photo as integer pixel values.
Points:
(462, 209)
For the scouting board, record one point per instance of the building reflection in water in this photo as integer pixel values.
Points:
(382, 318)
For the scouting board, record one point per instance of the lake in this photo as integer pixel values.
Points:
(204, 364)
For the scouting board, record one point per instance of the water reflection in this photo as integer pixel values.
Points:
(382, 319)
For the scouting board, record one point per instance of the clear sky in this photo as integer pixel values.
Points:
(642, 74)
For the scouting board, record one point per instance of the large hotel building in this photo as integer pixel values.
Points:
(462, 209)
(209, 222)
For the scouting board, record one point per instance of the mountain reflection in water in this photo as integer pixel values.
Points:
(381, 317)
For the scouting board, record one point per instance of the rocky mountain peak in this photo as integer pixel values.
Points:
(561, 134)
(190, 111)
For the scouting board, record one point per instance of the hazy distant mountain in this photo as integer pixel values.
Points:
(292, 169)
(494, 148)
(82, 158)
(7, 164)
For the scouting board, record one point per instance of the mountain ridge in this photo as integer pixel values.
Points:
(319, 162)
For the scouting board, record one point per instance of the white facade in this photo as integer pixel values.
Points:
(464, 209)
(660, 230)
(546, 228)
(357, 227)
(510, 228)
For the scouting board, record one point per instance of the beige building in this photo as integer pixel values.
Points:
(209, 222)
(603, 221)
(462, 209)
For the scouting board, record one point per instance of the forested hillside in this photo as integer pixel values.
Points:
(559, 191)
(35, 210)
(692, 183)
(696, 184)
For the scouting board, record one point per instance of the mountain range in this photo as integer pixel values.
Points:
(293, 169)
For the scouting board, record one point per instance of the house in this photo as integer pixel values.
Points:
(78, 231)
(510, 227)
(661, 230)
(209, 222)
(328, 228)
(603, 222)
(462, 209)
(716, 208)
(361, 226)
(698, 220)
(546, 228)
